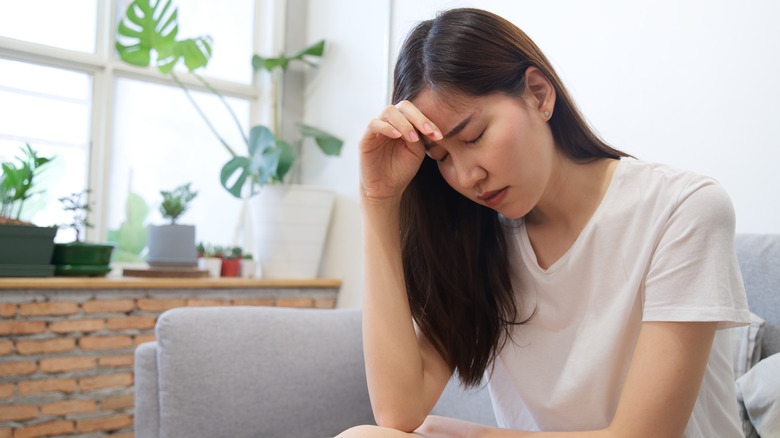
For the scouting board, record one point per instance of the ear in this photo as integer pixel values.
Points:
(539, 92)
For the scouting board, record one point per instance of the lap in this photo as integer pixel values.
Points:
(433, 427)
(375, 432)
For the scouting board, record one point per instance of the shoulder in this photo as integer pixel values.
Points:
(671, 193)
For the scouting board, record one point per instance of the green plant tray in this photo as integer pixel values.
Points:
(7, 270)
(82, 254)
(82, 270)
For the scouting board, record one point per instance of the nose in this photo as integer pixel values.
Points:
(469, 172)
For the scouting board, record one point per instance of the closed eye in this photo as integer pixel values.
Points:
(476, 139)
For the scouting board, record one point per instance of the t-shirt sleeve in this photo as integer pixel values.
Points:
(694, 274)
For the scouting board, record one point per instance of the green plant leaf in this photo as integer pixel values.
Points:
(176, 201)
(131, 236)
(144, 33)
(315, 49)
(136, 210)
(145, 29)
(260, 167)
(269, 64)
(227, 177)
(328, 144)
(195, 51)
(167, 57)
(263, 163)
(263, 155)
(287, 158)
(283, 61)
(260, 137)
(17, 182)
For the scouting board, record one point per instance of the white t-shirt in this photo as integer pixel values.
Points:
(660, 247)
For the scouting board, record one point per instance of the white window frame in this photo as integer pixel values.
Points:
(105, 68)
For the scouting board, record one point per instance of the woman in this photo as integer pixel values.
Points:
(502, 238)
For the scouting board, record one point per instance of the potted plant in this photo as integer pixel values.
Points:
(231, 263)
(131, 236)
(147, 30)
(290, 220)
(79, 258)
(25, 249)
(210, 259)
(248, 267)
(173, 245)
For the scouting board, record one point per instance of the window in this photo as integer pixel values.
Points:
(68, 25)
(123, 132)
(49, 108)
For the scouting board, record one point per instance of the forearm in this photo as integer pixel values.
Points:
(443, 427)
(394, 364)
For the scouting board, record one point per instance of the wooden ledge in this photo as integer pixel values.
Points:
(162, 283)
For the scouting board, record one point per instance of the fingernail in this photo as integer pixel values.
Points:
(427, 127)
(437, 135)
(396, 133)
(413, 136)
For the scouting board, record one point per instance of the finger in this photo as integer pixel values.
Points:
(419, 120)
(382, 127)
(393, 116)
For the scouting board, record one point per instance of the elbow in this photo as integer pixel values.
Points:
(401, 421)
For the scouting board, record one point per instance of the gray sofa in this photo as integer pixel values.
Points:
(272, 372)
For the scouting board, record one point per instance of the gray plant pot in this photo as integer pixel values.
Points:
(172, 246)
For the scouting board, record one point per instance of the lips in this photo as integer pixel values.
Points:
(494, 197)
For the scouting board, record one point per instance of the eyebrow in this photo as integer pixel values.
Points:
(455, 131)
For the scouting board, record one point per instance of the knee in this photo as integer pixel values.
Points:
(374, 432)
(364, 431)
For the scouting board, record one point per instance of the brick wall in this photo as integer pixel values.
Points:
(66, 356)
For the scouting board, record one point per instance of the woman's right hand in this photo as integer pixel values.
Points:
(391, 150)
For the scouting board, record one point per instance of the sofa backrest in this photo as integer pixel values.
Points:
(759, 262)
(255, 371)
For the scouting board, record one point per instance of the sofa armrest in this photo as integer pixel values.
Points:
(260, 371)
(147, 405)
(758, 256)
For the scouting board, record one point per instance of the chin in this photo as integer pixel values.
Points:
(512, 212)
(511, 216)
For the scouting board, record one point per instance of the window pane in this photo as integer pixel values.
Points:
(50, 109)
(231, 26)
(44, 103)
(159, 143)
(67, 24)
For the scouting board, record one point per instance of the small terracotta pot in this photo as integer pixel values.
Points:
(231, 267)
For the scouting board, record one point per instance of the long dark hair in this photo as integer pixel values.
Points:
(454, 251)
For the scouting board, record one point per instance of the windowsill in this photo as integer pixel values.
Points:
(162, 283)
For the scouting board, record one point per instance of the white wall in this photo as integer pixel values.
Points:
(690, 83)
(342, 95)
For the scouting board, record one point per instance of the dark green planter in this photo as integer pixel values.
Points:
(82, 259)
(26, 250)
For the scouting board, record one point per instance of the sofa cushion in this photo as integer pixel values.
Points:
(254, 371)
(746, 345)
(759, 262)
(758, 393)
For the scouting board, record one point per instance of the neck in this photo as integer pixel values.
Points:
(573, 194)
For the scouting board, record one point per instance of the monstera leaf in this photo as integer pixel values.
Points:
(269, 64)
(151, 26)
(329, 145)
(287, 157)
(260, 166)
(196, 53)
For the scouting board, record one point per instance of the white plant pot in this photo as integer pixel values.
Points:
(211, 264)
(172, 246)
(249, 269)
(290, 224)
